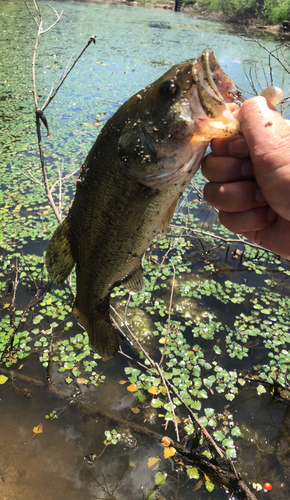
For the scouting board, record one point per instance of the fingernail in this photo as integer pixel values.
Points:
(259, 196)
(238, 148)
(247, 169)
(271, 215)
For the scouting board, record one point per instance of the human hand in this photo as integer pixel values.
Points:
(250, 177)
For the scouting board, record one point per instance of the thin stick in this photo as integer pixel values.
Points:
(65, 75)
(169, 315)
(39, 112)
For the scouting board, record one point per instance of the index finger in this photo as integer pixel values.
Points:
(235, 146)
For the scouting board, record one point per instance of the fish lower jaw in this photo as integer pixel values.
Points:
(223, 126)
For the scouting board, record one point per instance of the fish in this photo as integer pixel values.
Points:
(129, 185)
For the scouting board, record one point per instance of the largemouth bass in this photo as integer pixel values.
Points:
(130, 183)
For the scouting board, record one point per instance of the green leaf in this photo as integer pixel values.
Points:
(230, 396)
(151, 495)
(156, 403)
(231, 453)
(209, 412)
(160, 478)
(228, 443)
(209, 486)
(236, 431)
(219, 435)
(261, 389)
(196, 405)
(193, 472)
(3, 379)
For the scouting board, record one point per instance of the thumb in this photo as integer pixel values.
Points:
(268, 138)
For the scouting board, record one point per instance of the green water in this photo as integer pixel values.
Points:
(215, 290)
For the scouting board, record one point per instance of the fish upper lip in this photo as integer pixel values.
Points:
(206, 55)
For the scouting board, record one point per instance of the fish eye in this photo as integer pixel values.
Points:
(169, 89)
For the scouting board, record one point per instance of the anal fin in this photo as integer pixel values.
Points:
(59, 258)
(135, 280)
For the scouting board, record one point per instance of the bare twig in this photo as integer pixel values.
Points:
(154, 365)
(15, 286)
(161, 264)
(66, 73)
(169, 315)
(63, 178)
(222, 238)
(270, 52)
(39, 112)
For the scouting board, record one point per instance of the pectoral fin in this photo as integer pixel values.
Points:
(134, 210)
(59, 258)
(135, 281)
(168, 216)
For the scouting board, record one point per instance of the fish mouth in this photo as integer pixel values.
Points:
(207, 58)
(217, 95)
(214, 87)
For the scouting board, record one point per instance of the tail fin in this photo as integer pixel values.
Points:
(103, 336)
(59, 258)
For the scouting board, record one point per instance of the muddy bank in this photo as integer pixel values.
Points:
(247, 23)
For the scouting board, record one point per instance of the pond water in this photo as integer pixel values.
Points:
(230, 307)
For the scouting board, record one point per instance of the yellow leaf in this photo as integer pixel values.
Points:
(166, 441)
(132, 464)
(106, 443)
(20, 367)
(206, 477)
(132, 388)
(152, 461)
(169, 452)
(153, 390)
(162, 340)
(6, 305)
(81, 380)
(17, 207)
(37, 429)
(3, 379)
(122, 382)
(163, 390)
